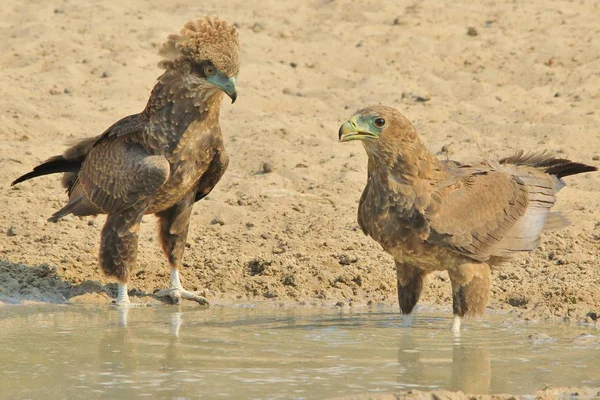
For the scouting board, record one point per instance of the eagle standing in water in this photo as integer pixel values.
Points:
(432, 215)
(160, 161)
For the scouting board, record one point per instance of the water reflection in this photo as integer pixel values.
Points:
(170, 351)
(455, 363)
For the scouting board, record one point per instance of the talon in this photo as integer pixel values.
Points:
(176, 294)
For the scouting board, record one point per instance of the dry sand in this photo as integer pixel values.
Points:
(502, 75)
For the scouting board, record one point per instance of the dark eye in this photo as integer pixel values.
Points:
(379, 122)
(208, 70)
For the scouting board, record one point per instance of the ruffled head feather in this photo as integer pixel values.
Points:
(201, 40)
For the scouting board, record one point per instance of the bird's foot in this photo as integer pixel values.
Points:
(122, 300)
(178, 293)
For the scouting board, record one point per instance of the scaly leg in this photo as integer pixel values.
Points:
(177, 292)
(470, 291)
(173, 224)
(122, 296)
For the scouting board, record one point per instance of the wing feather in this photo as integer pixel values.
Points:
(476, 212)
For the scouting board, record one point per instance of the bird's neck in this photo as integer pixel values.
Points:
(409, 163)
(173, 109)
(171, 95)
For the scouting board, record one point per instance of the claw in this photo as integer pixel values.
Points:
(176, 294)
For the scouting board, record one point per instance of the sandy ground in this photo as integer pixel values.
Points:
(502, 75)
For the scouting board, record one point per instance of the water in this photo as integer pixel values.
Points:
(67, 351)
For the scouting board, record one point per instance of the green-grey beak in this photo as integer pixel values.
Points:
(355, 130)
(226, 84)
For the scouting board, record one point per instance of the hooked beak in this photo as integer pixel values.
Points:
(229, 89)
(226, 84)
(351, 130)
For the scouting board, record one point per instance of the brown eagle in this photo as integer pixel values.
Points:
(433, 215)
(160, 161)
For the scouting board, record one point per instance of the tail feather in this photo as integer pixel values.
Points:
(54, 165)
(70, 162)
(68, 209)
(569, 168)
(559, 167)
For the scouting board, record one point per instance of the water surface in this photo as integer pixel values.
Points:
(69, 351)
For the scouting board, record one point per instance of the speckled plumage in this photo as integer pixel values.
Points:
(433, 215)
(161, 160)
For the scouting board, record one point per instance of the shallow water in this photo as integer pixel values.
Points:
(66, 351)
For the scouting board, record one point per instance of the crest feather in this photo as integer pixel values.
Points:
(204, 39)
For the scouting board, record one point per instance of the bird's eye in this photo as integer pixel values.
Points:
(379, 122)
(208, 70)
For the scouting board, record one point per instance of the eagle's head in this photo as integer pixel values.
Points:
(381, 129)
(205, 55)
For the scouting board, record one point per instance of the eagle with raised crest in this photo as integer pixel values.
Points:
(160, 161)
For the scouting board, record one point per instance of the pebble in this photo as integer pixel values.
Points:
(105, 74)
(292, 93)
(217, 221)
(472, 31)
(446, 149)
(267, 167)
(257, 27)
(345, 259)
(12, 231)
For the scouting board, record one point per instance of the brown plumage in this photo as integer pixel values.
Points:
(433, 215)
(159, 161)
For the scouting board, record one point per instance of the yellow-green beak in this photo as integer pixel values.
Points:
(354, 129)
(226, 84)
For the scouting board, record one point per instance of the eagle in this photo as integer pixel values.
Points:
(434, 215)
(160, 161)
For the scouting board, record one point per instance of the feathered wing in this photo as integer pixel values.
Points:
(117, 175)
(473, 214)
(500, 210)
(71, 160)
(213, 174)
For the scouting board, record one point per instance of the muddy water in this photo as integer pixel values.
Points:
(54, 352)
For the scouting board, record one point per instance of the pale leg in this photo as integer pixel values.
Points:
(123, 303)
(177, 292)
(455, 329)
(122, 296)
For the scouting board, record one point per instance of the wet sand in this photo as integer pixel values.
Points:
(524, 77)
